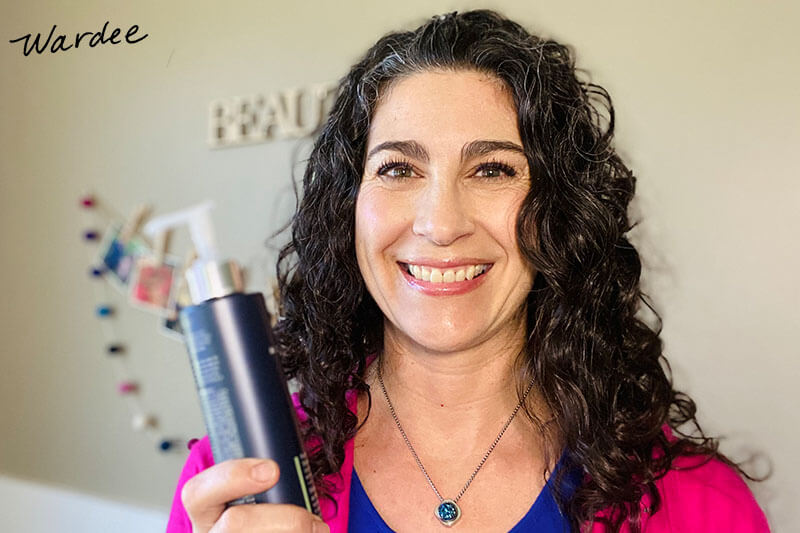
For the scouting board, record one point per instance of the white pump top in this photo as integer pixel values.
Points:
(207, 277)
(198, 219)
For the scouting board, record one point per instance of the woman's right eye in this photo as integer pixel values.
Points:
(396, 170)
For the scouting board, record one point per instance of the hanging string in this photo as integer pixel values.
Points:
(142, 420)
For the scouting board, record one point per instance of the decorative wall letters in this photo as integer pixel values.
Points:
(291, 113)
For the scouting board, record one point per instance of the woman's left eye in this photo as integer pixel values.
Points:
(395, 170)
(494, 170)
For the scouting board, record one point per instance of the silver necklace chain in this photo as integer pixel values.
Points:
(416, 457)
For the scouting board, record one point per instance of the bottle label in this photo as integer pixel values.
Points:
(221, 423)
(215, 397)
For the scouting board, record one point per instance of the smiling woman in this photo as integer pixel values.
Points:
(461, 247)
(439, 200)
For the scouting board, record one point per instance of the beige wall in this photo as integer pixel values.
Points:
(708, 117)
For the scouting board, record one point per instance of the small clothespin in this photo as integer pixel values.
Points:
(191, 255)
(134, 222)
(182, 296)
(161, 246)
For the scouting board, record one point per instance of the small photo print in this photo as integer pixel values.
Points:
(119, 257)
(151, 284)
(179, 298)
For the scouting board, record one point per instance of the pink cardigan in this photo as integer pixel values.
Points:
(709, 498)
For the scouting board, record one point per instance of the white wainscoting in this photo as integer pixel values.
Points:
(28, 507)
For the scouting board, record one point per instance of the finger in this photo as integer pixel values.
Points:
(204, 496)
(269, 518)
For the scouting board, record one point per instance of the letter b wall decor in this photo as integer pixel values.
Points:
(291, 113)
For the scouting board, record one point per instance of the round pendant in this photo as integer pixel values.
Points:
(448, 512)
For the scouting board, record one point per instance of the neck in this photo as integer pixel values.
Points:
(476, 386)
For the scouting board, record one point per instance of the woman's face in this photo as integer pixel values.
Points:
(444, 178)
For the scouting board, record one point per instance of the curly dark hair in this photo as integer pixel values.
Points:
(595, 358)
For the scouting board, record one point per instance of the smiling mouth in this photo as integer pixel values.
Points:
(445, 275)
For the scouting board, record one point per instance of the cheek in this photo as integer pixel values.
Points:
(379, 219)
(377, 227)
(367, 210)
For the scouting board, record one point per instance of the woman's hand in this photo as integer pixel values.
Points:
(205, 495)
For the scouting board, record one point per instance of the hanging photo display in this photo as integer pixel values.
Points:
(152, 283)
(148, 276)
(179, 298)
(154, 277)
(153, 280)
(121, 247)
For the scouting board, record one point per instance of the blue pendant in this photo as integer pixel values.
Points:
(448, 512)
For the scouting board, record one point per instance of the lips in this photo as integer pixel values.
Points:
(445, 275)
(437, 280)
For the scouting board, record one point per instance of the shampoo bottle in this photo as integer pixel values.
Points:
(243, 393)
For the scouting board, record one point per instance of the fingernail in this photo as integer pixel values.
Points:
(263, 471)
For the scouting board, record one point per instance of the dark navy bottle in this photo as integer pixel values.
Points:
(245, 401)
(243, 393)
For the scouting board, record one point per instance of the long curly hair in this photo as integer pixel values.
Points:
(595, 359)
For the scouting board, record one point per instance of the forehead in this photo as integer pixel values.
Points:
(437, 107)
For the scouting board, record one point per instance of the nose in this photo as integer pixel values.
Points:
(442, 213)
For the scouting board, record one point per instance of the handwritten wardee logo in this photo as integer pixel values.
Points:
(64, 41)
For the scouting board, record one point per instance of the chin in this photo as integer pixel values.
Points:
(438, 338)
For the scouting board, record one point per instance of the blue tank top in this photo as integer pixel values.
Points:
(544, 515)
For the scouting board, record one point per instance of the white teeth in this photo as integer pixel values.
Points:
(425, 274)
(436, 275)
(470, 273)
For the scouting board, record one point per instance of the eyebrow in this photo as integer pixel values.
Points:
(470, 150)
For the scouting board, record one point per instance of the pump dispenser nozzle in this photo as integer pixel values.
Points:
(208, 277)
